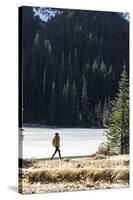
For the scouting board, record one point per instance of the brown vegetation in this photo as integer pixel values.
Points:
(76, 174)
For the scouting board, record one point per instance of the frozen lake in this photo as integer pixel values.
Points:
(37, 142)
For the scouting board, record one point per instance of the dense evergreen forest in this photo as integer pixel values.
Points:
(71, 65)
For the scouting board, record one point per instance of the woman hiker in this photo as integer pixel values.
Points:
(56, 144)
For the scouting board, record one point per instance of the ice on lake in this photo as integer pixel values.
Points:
(37, 142)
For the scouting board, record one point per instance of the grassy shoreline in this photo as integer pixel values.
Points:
(95, 172)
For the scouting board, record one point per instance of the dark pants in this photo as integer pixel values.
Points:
(56, 149)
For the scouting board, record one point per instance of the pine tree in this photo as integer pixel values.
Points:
(75, 105)
(118, 133)
(110, 81)
(51, 113)
(106, 111)
(60, 97)
(67, 101)
(95, 84)
(85, 101)
(103, 78)
(62, 54)
(76, 72)
(99, 115)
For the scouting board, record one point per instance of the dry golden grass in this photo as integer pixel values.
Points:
(75, 174)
